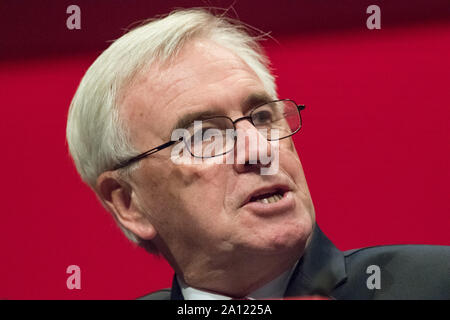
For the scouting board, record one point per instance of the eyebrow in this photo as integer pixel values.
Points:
(189, 118)
(253, 100)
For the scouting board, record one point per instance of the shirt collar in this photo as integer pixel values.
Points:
(272, 290)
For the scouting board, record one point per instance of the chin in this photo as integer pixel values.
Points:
(291, 237)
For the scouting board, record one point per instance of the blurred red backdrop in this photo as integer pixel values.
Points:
(375, 147)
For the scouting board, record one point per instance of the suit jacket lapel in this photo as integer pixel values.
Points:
(175, 293)
(320, 270)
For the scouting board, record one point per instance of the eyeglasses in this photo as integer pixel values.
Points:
(275, 120)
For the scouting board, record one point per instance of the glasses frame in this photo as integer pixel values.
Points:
(145, 154)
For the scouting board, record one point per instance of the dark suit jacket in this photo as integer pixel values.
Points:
(405, 272)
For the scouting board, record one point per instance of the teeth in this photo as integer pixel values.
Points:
(271, 199)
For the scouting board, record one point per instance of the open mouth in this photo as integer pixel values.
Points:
(269, 201)
(270, 197)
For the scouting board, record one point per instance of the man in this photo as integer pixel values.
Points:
(227, 229)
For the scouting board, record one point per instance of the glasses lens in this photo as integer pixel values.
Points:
(277, 120)
(211, 138)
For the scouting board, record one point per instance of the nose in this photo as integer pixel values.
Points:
(252, 150)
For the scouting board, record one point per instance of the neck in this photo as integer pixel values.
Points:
(237, 277)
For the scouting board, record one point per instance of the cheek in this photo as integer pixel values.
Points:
(290, 163)
(195, 177)
(197, 213)
(194, 192)
(198, 188)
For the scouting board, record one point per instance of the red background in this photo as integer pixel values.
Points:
(375, 145)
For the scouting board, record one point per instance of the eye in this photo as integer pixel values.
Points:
(264, 116)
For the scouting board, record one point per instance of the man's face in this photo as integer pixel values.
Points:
(202, 211)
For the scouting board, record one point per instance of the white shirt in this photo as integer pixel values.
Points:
(273, 290)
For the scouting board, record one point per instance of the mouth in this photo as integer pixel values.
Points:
(267, 195)
(270, 201)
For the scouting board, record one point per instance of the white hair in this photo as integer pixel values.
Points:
(98, 140)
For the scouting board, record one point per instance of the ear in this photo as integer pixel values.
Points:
(119, 198)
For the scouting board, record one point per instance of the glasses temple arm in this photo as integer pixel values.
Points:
(143, 155)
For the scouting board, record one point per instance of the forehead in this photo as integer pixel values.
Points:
(204, 76)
